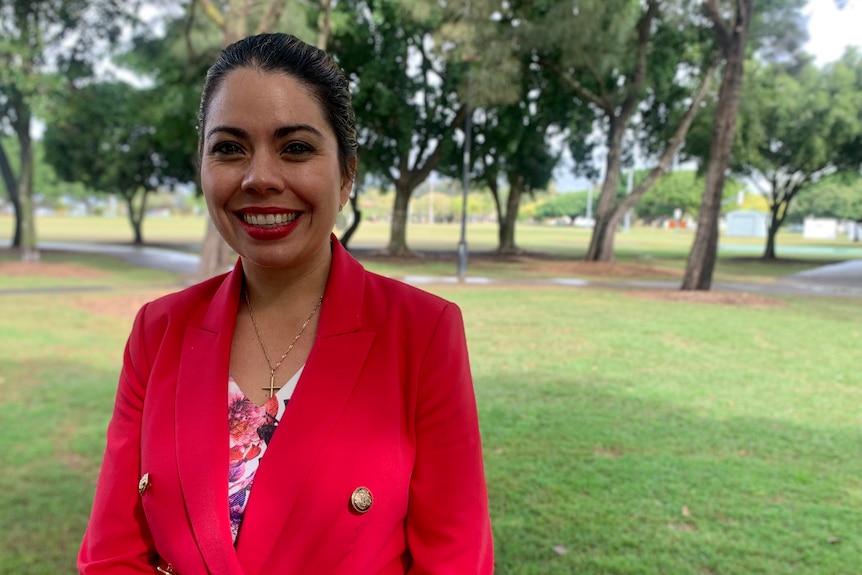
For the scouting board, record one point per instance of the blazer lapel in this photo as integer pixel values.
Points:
(323, 390)
(201, 426)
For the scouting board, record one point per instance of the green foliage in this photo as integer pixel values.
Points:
(49, 190)
(101, 136)
(837, 196)
(572, 205)
(405, 98)
(680, 190)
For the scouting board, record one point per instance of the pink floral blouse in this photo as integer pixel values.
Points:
(251, 428)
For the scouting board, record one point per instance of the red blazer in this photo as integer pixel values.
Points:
(385, 402)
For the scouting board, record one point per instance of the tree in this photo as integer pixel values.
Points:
(835, 196)
(405, 96)
(49, 190)
(621, 59)
(794, 128)
(731, 21)
(515, 143)
(62, 36)
(103, 136)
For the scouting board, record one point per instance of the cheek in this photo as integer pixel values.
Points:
(210, 188)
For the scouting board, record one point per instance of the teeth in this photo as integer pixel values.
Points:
(269, 219)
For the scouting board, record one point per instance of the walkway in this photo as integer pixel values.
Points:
(841, 279)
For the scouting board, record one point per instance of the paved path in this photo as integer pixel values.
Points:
(841, 279)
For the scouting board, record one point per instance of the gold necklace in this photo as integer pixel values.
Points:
(272, 387)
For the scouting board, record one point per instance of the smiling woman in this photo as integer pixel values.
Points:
(299, 414)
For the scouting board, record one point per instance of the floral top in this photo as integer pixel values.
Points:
(251, 429)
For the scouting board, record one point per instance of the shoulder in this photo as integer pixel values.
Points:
(399, 296)
(180, 306)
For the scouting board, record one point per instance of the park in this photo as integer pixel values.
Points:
(619, 196)
(625, 429)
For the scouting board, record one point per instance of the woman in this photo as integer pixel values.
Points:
(351, 442)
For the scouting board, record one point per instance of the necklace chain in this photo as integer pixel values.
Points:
(272, 388)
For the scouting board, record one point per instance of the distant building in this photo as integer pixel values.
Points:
(746, 224)
(820, 228)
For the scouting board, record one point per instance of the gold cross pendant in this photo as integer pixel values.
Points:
(272, 387)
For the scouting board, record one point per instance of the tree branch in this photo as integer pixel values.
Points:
(213, 13)
(576, 86)
(710, 8)
(634, 89)
(273, 13)
(675, 141)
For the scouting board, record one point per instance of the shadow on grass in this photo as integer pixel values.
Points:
(584, 480)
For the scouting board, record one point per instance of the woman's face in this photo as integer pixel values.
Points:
(270, 171)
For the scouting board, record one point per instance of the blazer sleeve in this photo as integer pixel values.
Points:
(448, 525)
(117, 540)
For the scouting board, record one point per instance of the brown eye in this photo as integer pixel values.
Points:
(297, 148)
(226, 148)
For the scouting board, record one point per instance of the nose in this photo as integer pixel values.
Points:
(264, 174)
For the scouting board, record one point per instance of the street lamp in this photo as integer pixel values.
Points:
(465, 175)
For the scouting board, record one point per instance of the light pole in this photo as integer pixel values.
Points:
(465, 168)
(465, 183)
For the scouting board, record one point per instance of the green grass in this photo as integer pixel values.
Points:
(634, 436)
(603, 417)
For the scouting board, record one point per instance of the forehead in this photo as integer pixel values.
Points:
(247, 97)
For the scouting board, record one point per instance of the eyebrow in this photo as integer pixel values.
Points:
(279, 133)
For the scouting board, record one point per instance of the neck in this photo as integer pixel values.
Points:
(286, 288)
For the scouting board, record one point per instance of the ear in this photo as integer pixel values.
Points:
(347, 179)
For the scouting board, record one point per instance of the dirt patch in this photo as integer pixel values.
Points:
(708, 297)
(544, 265)
(601, 269)
(50, 270)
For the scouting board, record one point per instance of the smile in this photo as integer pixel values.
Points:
(268, 220)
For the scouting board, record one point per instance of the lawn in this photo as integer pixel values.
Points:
(622, 434)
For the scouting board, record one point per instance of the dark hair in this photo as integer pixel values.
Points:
(289, 55)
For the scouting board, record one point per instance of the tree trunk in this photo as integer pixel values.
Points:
(704, 250)
(324, 24)
(618, 119)
(29, 249)
(136, 216)
(398, 231)
(507, 223)
(357, 217)
(772, 231)
(216, 255)
(11, 184)
(604, 211)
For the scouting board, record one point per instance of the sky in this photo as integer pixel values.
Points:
(830, 31)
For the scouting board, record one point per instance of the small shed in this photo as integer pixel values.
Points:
(746, 224)
(820, 228)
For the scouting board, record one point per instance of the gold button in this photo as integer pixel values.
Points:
(361, 499)
(144, 483)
